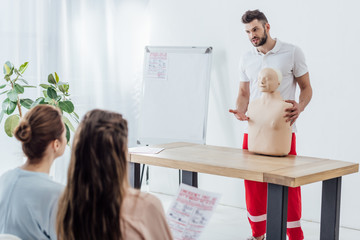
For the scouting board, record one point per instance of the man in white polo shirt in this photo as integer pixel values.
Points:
(289, 59)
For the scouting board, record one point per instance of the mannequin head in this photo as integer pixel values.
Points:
(269, 79)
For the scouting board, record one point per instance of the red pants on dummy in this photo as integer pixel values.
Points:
(256, 200)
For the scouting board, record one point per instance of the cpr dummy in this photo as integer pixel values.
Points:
(268, 131)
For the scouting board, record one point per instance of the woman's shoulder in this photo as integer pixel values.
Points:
(10, 173)
(20, 181)
(144, 198)
(41, 180)
(137, 203)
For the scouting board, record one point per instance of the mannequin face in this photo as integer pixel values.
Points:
(257, 33)
(268, 80)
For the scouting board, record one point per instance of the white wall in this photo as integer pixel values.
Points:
(328, 33)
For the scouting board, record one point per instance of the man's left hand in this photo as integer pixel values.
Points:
(293, 112)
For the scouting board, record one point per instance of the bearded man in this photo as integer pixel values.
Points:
(289, 59)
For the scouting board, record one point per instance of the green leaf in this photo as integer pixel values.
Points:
(18, 88)
(68, 123)
(8, 106)
(38, 101)
(48, 100)
(52, 102)
(4, 92)
(67, 106)
(67, 133)
(45, 93)
(56, 77)
(7, 68)
(11, 123)
(45, 86)
(51, 79)
(7, 76)
(23, 67)
(76, 115)
(2, 86)
(76, 119)
(23, 80)
(29, 86)
(46, 97)
(17, 72)
(63, 87)
(1, 115)
(26, 103)
(51, 93)
(13, 95)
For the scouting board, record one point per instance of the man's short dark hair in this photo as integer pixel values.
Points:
(250, 16)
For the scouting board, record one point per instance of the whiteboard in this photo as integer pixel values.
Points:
(175, 94)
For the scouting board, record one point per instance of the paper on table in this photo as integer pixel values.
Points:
(145, 150)
(190, 212)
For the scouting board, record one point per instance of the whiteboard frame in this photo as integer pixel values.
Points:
(178, 49)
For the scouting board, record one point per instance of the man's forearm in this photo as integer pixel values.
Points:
(242, 103)
(304, 98)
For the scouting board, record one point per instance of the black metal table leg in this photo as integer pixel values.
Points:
(330, 209)
(134, 175)
(277, 203)
(190, 178)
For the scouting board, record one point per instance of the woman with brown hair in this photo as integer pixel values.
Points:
(28, 197)
(97, 202)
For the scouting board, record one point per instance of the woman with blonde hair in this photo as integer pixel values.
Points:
(28, 197)
(97, 202)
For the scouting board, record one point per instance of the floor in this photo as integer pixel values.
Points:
(230, 223)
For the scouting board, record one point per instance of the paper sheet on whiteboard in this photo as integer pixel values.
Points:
(190, 212)
(157, 66)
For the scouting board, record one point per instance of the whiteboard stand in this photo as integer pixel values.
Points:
(175, 97)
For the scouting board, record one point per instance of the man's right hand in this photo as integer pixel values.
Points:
(239, 115)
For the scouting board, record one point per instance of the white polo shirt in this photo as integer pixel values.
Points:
(287, 58)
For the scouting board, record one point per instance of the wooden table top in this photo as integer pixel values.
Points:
(291, 171)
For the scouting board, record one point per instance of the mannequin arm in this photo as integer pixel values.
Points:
(242, 102)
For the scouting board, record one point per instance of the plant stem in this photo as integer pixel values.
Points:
(18, 99)
(19, 107)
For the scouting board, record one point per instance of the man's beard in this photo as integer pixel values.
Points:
(262, 40)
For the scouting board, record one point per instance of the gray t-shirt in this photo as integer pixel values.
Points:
(28, 204)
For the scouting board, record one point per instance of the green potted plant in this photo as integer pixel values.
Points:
(55, 93)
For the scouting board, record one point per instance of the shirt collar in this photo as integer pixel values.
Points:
(275, 49)
(277, 46)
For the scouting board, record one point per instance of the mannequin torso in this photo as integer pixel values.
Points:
(269, 133)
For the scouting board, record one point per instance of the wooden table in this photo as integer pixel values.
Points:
(279, 172)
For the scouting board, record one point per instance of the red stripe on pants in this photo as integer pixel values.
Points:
(256, 200)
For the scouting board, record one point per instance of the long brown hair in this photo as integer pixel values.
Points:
(40, 125)
(97, 178)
